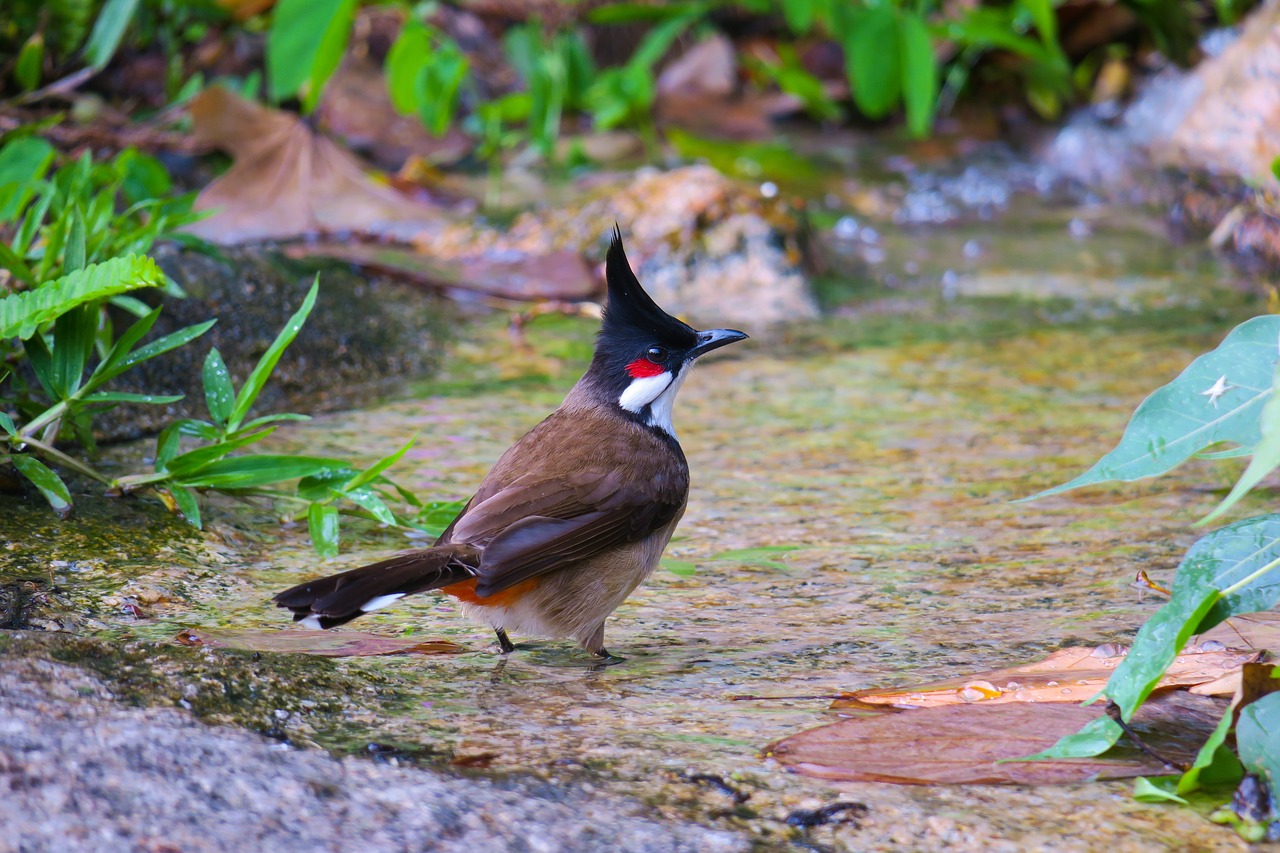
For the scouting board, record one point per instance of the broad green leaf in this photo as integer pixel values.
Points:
(376, 469)
(185, 500)
(1231, 571)
(1258, 738)
(435, 516)
(1219, 397)
(23, 164)
(22, 313)
(219, 393)
(323, 522)
(193, 461)
(1266, 456)
(6, 423)
(48, 483)
(249, 472)
(271, 419)
(1146, 791)
(305, 45)
(262, 370)
(919, 74)
(1215, 764)
(128, 397)
(168, 443)
(873, 58)
(108, 29)
(627, 13)
(1233, 453)
(404, 63)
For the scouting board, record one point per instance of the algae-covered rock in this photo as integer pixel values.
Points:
(365, 335)
(705, 246)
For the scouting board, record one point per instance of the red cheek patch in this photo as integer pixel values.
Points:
(642, 368)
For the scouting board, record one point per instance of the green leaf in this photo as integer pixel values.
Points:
(22, 313)
(185, 500)
(323, 522)
(23, 164)
(107, 32)
(376, 469)
(367, 500)
(262, 370)
(405, 61)
(73, 336)
(1215, 764)
(1233, 453)
(1046, 21)
(1266, 455)
(1231, 571)
(435, 516)
(128, 397)
(219, 393)
(324, 485)
(305, 46)
(1146, 791)
(271, 419)
(683, 568)
(1258, 739)
(249, 472)
(873, 59)
(193, 461)
(173, 340)
(168, 443)
(13, 262)
(26, 70)
(1219, 397)
(6, 424)
(919, 74)
(73, 252)
(48, 483)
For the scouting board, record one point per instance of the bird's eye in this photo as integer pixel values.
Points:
(657, 354)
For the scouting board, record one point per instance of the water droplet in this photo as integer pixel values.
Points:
(768, 189)
(1066, 691)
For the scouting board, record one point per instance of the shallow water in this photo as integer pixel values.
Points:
(875, 454)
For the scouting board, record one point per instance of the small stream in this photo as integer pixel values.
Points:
(850, 526)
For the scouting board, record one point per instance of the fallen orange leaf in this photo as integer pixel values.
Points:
(287, 180)
(1070, 675)
(965, 744)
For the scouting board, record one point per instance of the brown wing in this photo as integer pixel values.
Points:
(544, 506)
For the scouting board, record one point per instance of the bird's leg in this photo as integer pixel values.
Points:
(505, 642)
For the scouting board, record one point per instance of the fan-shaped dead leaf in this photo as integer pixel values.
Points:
(1070, 675)
(288, 181)
(323, 643)
(964, 744)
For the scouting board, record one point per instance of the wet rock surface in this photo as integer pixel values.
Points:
(367, 335)
(704, 245)
(81, 772)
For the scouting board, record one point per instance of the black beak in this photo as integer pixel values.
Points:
(714, 339)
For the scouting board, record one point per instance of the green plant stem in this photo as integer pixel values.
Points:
(59, 457)
(50, 415)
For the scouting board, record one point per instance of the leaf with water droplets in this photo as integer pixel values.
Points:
(1218, 398)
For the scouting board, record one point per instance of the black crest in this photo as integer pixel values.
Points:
(630, 314)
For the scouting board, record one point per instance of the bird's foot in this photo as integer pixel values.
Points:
(504, 642)
(603, 658)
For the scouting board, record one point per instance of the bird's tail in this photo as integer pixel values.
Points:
(339, 598)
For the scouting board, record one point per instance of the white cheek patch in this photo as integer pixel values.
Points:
(660, 408)
(643, 391)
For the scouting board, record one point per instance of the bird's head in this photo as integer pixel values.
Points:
(643, 354)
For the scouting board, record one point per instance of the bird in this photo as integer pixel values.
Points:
(573, 516)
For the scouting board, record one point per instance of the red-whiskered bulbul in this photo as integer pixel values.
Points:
(576, 513)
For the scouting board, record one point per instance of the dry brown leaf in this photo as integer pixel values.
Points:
(1259, 631)
(323, 643)
(556, 275)
(288, 181)
(963, 744)
(1068, 675)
